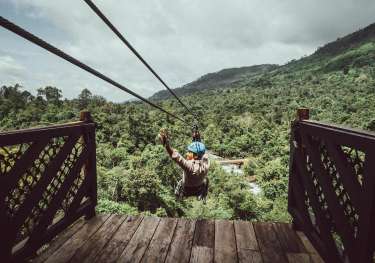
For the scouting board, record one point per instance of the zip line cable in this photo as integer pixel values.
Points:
(38, 41)
(123, 39)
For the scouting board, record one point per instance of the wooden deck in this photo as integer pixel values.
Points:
(117, 238)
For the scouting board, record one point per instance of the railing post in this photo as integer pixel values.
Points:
(85, 116)
(303, 114)
(90, 167)
(366, 229)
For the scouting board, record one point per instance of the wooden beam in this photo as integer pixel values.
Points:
(137, 246)
(158, 248)
(120, 240)
(66, 251)
(247, 244)
(204, 242)
(60, 240)
(89, 251)
(236, 161)
(225, 242)
(180, 248)
(85, 116)
(269, 243)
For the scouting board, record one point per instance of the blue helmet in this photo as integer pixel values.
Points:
(197, 148)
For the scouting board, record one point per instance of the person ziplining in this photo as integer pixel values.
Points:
(194, 181)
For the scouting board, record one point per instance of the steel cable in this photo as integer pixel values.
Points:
(43, 44)
(123, 39)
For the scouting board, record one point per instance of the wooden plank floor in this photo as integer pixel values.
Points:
(114, 238)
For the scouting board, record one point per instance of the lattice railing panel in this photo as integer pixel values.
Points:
(335, 168)
(356, 158)
(32, 175)
(49, 180)
(73, 191)
(318, 190)
(339, 189)
(49, 193)
(9, 156)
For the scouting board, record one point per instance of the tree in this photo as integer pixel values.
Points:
(84, 99)
(51, 95)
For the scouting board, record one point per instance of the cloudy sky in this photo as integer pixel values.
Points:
(181, 39)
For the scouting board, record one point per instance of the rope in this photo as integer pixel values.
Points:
(37, 41)
(122, 38)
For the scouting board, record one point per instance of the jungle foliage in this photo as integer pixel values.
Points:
(250, 118)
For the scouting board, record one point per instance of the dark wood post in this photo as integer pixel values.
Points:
(85, 116)
(366, 229)
(303, 114)
(90, 166)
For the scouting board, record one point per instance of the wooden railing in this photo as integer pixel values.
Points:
(332, 189)
(47, 181)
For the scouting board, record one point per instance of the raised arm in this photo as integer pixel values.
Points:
(181, 161)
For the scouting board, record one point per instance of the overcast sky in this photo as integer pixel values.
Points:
(181, 39)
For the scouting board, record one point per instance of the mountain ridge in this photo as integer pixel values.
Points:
(341, 54)
(218, 79)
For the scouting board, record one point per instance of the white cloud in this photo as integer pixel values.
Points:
(10, 70)
(181, 39)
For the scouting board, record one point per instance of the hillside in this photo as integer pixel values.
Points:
(354, 50)
(350, 41)
(217, 80)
